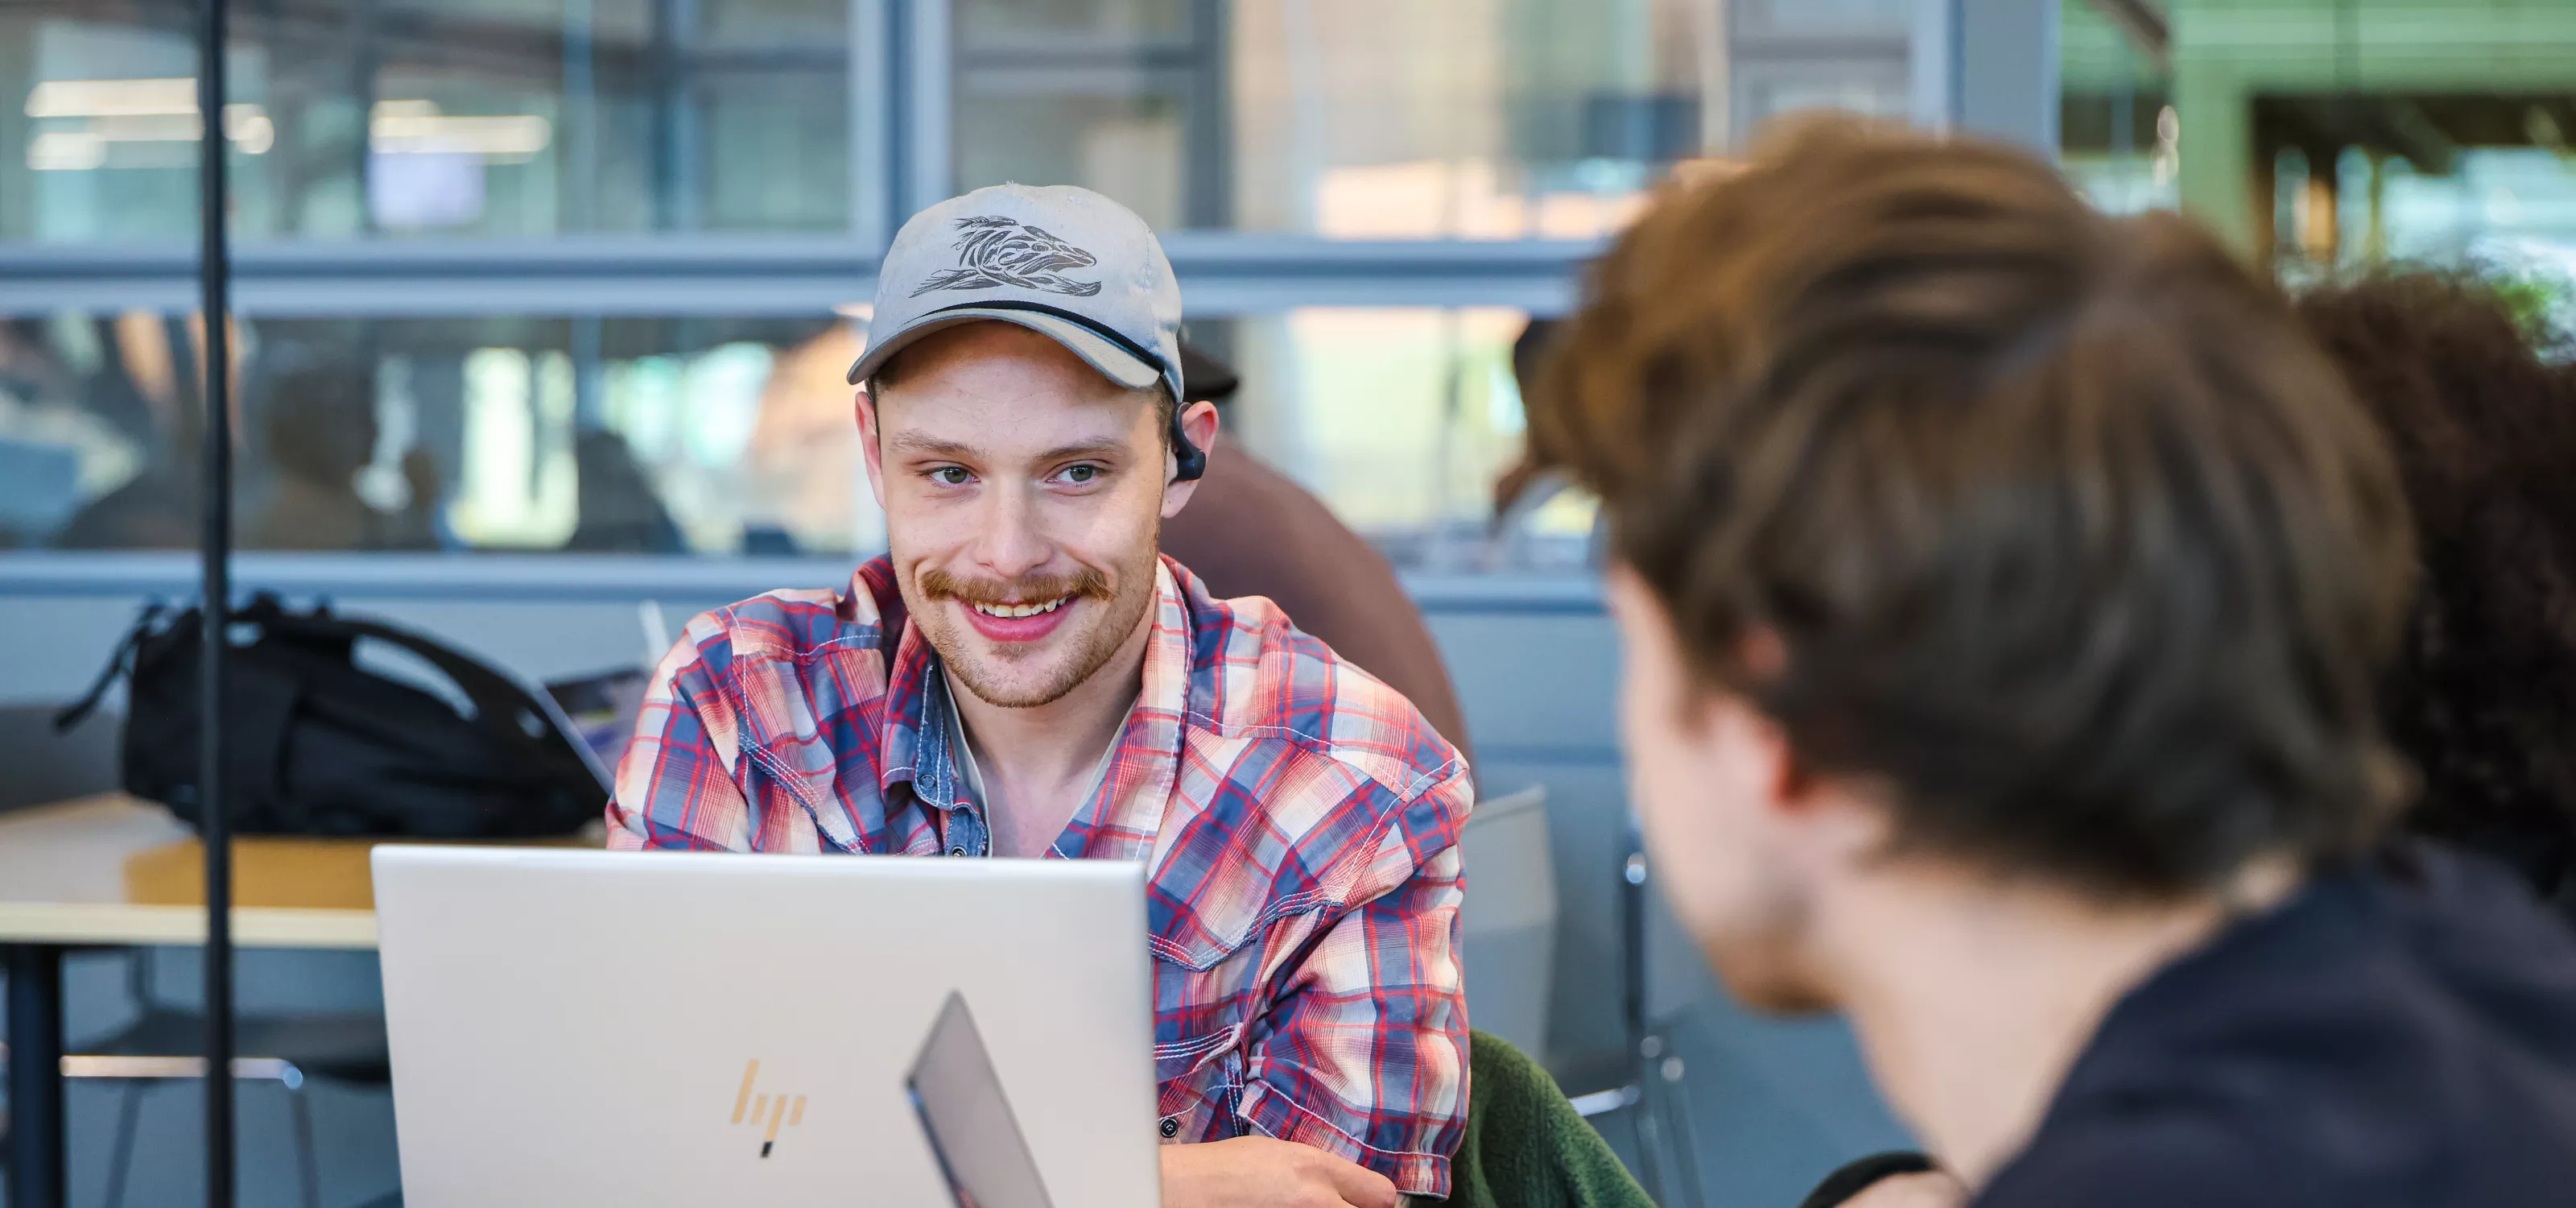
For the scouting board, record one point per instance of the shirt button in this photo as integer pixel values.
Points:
(958, 850)
(1170, 1127)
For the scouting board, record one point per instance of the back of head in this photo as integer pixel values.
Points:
(2070, 539)
(321, 421)
(2483, 694)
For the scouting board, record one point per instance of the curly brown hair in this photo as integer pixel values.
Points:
(2483, 422)
(2073, 539)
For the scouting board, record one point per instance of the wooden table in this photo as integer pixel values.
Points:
(113, 871)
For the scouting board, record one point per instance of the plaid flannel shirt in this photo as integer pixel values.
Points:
(1298, 819)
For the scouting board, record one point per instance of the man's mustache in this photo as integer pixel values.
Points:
(1032, 589)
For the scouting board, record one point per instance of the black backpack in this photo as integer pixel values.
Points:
(322, 745)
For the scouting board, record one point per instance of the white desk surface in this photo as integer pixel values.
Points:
(114, 870)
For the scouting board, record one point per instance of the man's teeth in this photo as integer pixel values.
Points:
(1019, 610)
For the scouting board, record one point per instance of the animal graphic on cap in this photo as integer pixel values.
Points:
(996, 253)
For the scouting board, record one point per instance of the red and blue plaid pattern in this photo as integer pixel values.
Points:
(1298, 819)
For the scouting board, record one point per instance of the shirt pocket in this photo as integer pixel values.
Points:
(1213, 978)
(1199, 1087)
(1206, 1004)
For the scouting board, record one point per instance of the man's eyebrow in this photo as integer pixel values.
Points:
(1085, 448)
(910, 442)
(915, 444)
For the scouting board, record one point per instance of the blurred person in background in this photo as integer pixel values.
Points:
(1023, 675)
(1526, 484)
(1252, 531)
(58, 445)
(2483, 695)
(2003, 589)
(146, 383)
(620, 512)
(320, 423)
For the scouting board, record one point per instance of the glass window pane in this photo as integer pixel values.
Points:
(357, 118)
(1827, 16)
(1402, 420)
(2332, 137)
(1769, 91)
(626, 435)
(1496, 119)
(768, 23)
(2117, 130)
(1098, 135)
(987, 24)
(689, 435)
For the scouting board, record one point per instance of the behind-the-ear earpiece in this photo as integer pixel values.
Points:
(1188, 460)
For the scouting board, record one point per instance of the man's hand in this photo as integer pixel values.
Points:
(1261, 1172)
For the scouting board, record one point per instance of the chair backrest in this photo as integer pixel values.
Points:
(46, 766)
(1510, 917)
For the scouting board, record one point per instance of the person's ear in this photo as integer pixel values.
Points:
(1814, 817)
(1791, 784)
(1199, 424)
(1842, 820)
(866, 406)
(1759, 759)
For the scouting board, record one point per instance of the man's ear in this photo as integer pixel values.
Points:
(1763, 656)
(870, 447)
(1759, 752)
(1199, 424)
(1844, 819)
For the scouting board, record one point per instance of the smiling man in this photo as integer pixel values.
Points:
(1023, 675)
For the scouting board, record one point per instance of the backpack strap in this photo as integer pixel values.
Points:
(120, 663)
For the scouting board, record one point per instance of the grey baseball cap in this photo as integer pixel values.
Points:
(1062, 261)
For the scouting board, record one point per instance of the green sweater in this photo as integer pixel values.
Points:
(1525, 1146)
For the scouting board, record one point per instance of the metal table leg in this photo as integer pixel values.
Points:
(35, 1076)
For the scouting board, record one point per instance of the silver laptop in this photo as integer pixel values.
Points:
(590, 1027)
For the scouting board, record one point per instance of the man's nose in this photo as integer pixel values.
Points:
(1008, 541)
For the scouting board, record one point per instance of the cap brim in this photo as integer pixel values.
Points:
(1115, 363)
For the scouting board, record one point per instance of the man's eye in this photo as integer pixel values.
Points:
(1081, 474)
(955, 476)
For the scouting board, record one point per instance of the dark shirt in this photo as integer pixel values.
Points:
(1250, 531)
(2399, 1034)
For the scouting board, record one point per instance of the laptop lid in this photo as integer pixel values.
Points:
(588, 1027)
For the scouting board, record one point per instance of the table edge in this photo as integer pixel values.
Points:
(73, 923)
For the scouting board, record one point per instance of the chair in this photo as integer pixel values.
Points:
(1664, 970)
(167, 1044)
(1657, 984)
(1509, 917)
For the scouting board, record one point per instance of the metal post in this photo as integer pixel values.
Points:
(216, 611)
(1207, 124)
(874, 175)
(35, 1076)
(580, 206)
(925, 103)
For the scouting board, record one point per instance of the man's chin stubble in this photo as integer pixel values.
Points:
(970, 676)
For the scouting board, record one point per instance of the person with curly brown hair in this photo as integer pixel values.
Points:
(2004, 591)
(2483, 423)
